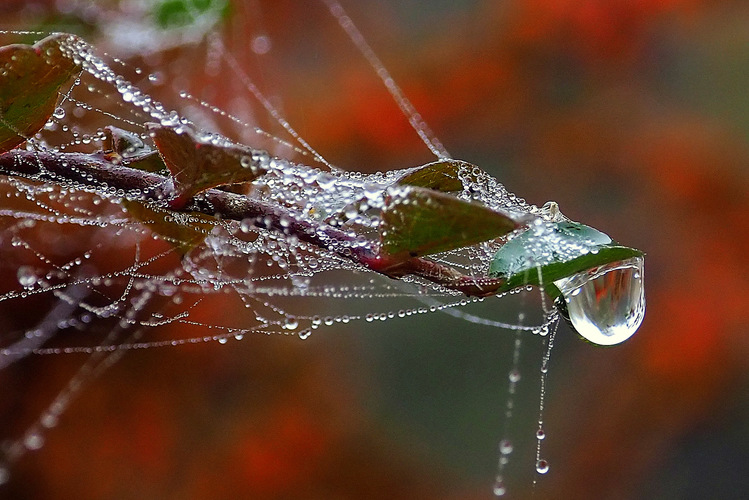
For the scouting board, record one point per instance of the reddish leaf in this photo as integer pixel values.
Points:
(199, 163)
(30, 79)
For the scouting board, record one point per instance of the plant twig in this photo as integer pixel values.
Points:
(97, 171)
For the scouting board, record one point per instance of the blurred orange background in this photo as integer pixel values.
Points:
(632, 115)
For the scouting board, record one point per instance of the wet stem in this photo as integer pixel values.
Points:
(96, 172)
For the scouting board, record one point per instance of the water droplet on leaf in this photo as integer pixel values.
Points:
(325, 180)
(606, 304)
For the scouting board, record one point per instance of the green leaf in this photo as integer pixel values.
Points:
(200, 162)
(418, 221)
(174, 14)
(441, 175)
(548, 252)
(30, 78)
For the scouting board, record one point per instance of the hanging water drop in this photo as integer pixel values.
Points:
(542, 466)
(49, 420)
(59, 113)
(27, 278)
(499, 488)
(261, 44)
(505, 447)
(606, 304)
(33, 441)
(304, 334)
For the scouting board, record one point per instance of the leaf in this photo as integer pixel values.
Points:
(199, 163)
(128, 148)
(418, 221)
(175, 14)
(441, 175)
(30, 78)
(558, 250)
(148, 162)
(183, 231)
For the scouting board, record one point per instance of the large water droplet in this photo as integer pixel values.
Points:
(606, 304)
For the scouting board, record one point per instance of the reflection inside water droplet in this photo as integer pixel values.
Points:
(606, 304)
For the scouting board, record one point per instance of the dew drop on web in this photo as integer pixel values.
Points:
(499, 488)
(606, 304)
(27, 278)
(34, 441)
(542, 466)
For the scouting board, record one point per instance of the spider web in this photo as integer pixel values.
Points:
(105, 283)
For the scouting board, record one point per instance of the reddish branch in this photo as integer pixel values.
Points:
(100, 173)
